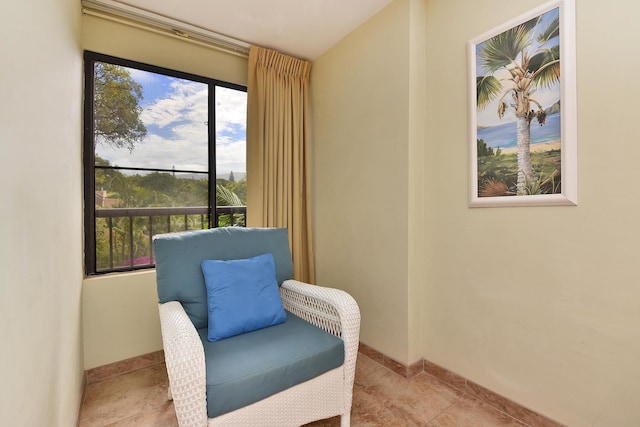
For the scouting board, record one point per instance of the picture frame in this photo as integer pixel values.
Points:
(522, 110)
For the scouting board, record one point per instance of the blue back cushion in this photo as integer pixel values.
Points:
(179, 257)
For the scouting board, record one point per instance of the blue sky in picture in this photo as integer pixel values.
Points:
(545, 96)
(174, 111)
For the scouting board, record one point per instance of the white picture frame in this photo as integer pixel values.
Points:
(502, 103)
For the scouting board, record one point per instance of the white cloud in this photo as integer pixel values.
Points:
(159, 153)
(178, 132)
(185, 101)
(231, 157)
(231, 109)
(231, 115)
(142, 77)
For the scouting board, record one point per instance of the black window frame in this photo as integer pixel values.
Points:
(90, 58)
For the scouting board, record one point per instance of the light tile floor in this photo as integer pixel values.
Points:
(381, 398)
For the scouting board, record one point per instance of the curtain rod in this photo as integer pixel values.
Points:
(147, 21)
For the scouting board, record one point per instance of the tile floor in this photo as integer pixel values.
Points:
(381, 398)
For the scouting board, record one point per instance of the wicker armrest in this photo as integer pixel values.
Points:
(184, 357)
(333, 310)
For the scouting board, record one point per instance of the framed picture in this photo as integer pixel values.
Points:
(522, 99)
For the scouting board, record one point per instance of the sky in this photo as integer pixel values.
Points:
(175, 113)
(545, 96)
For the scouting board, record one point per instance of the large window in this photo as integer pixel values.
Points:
(164, 151)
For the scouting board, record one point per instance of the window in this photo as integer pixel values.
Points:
(164, 151)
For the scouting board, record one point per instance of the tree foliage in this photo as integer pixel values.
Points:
(159, 189)
(116, 109)
(156, 189)
(484, 149)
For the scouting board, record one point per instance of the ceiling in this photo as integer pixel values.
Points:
(301, 28)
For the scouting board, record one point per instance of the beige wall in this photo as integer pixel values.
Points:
(360, 108)
(418, 208)
(40, 213)
(542, 304)
(120, 313)
(368, 105)
(120, 317)
(111, 38)
(538, 304)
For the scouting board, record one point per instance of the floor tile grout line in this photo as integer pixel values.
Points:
(380, 367)
(464, 394)
(457, 399)
(461, 393)
(529, 414)
(83, 418)
(484, 402)
(119, 374)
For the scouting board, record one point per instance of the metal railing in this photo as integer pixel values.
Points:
(132, 230)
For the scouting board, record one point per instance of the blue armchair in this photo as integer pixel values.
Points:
(288, 374)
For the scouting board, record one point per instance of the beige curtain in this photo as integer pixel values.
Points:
(278, 194)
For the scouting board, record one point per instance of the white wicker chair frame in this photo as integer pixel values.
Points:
(325, 396)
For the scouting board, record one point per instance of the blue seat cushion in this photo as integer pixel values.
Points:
(179, 256)
(247, 368)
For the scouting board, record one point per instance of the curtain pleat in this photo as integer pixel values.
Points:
(278, 161)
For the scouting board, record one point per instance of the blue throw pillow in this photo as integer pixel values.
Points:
(242, 296)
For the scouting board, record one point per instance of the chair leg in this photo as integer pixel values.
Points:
(345, 420)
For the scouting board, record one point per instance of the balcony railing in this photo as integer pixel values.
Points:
(124, 236)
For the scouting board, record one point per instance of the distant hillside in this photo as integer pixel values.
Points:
(237, 176)
(554, 109)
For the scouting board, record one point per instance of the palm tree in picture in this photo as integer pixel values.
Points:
(518, 62)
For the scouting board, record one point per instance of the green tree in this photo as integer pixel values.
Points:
(240, 188)
(226, 197)
(484, 149)
(116, 107)
(528, 69)
(104, 177)
(157, 181)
